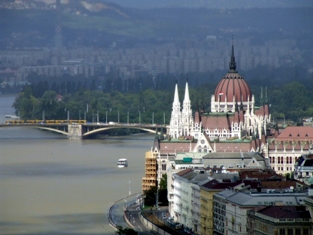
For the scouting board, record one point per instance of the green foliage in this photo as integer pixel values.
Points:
(292, 101)
(150, 196)
(125, 231)
(163, 182)
(163, 191)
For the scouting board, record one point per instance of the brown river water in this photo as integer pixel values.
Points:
(52, 185)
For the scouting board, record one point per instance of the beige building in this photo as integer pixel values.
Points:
(285, 149)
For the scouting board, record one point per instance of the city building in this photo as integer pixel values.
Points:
(304, 168)
(285, 148)
(230, 208)
(274, 220)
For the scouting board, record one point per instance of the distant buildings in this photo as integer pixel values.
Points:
(149, 60)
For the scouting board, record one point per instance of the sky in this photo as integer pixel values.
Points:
(214, 3)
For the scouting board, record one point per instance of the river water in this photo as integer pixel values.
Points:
(52, 185)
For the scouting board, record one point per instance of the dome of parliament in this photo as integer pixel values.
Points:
(232, 85)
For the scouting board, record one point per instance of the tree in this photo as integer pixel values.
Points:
(150, 196)
(125, 231)
(163, 190)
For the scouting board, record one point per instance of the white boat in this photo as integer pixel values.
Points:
(122, 162)
(12, 116)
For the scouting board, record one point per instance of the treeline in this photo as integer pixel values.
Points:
(149, 99)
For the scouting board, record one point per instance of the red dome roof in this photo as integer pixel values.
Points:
(233, 85)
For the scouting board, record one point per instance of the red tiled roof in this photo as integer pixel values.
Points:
(214, 184)
(173, 147)
(278, 184)
(216, 122)
(184, 172)
(296, 132)
(291, 212)
(233, 147)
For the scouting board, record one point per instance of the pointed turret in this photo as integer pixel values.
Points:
(187, 120)
(175, 122)
(232, 63)
(176, 97)
(261, 98)
(186, 98)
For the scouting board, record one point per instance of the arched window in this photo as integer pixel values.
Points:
(290, 160)
(282, 160)
(163, 166)
(205, 149)
(278, 160)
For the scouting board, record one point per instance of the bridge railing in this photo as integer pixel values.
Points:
(44, 121)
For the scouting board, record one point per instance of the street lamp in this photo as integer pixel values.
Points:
(152, 118)
(139, 117)
(129, 193)
(128, 117)
(118, 116)
(106, 117)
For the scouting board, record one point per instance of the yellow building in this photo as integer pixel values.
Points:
(206, 210)
(150, 178)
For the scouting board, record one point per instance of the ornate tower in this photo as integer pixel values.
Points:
(175, 123)
(187, 120)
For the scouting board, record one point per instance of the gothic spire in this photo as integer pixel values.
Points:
(266, 100)
(232, 63)
(176, 98)
(186, 99)
(261, 98)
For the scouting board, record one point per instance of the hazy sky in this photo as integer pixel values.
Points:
(214, 3)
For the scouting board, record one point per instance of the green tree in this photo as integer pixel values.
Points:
(125, 231)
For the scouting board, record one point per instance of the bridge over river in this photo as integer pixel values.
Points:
(83, 129)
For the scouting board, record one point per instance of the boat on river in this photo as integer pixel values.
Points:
(12, 116)
(122, 162)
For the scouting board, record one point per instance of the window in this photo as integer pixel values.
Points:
(297, 231)
(289, 231)
(282, 231)
(305, 231)
(163, 166)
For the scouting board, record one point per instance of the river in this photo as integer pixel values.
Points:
(52, 185)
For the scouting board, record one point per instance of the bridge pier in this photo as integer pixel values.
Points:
(74, 131)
